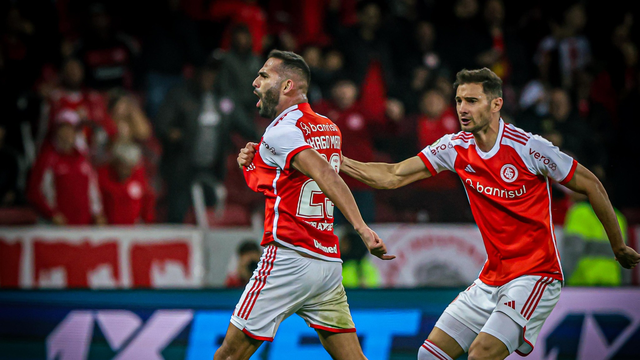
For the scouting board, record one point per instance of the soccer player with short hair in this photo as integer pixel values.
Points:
(296, 166)
(506, 173)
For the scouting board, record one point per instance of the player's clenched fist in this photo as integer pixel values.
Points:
(375, 245)
(245, 157)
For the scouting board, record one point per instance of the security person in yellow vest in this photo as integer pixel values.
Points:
(587, 258)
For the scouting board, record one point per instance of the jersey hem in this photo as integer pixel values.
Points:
(306, 251)
(427, 163)
(500, 283)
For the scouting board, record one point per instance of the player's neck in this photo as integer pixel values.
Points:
(486, 137)
(287, 102)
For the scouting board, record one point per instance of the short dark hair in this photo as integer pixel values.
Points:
(491, 83)
(248, 246)
(294, 62)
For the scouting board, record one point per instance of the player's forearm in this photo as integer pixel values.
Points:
(376, 175)
(604, 211)
(337, 191)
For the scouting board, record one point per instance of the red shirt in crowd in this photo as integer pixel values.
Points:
(241, 12)
(126, 202)
(429, 130)
(90, 106)
(356, 133)
(66, 184)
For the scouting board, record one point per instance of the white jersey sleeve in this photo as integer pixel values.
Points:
(544, 158)
(440, 155)
(280, 143)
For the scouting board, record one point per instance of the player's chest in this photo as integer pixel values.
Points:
(502, 175)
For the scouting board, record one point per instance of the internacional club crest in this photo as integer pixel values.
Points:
(509, 173)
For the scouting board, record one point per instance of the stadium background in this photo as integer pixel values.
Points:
(137, 268)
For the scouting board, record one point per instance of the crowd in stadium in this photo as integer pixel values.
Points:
(125, 112)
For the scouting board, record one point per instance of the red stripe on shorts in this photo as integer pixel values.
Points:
(263, 266)
(528, 302)
(264, 282)
(533, 308)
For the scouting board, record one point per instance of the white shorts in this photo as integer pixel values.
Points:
(286, 282)
(527, 300)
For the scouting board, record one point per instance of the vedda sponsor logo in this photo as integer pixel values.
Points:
(494, 191)
(543, 159)
(328, 249)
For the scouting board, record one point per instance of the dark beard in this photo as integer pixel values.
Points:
(268, 104)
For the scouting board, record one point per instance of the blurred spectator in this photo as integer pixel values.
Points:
(131, 121)
(248, 253)
(587, 259)
(19, 58)
(501, 51)
(502, 47)
(368, 56)
(576, 137)
(574, 48)
(425, 62)
(238, 70)
(109, 56)
(312, 54)
(241, 12)
(358, 269)
(10, 194)
(437, 118)
(464, 30)
(63, 186)
(127, 197)
(195, 124)
(171, 42)
(90, 106)
(357, 140)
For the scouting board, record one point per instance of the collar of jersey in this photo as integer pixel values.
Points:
(496, 146)
(301, 106)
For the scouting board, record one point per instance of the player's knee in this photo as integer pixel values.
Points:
(224, 352)
(481, 351)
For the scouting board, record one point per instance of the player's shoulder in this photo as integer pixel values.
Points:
(515, 136)
(461, 139)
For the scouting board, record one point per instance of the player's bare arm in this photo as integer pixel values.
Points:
(310, 163)
(585, 182)
(245, 157)
(384, 175)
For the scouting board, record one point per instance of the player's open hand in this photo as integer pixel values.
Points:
(628, 258)
(375, 245)
(245, 157)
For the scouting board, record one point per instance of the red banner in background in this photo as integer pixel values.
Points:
(154, 257)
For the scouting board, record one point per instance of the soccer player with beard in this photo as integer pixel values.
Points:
(506, 173)
(296, 166)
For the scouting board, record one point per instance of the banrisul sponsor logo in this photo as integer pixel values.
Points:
(495, 191)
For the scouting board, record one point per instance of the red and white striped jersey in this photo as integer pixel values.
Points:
(510, 196)
(297, 213)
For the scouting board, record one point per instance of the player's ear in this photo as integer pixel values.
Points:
(496, 104)
(288, 86)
